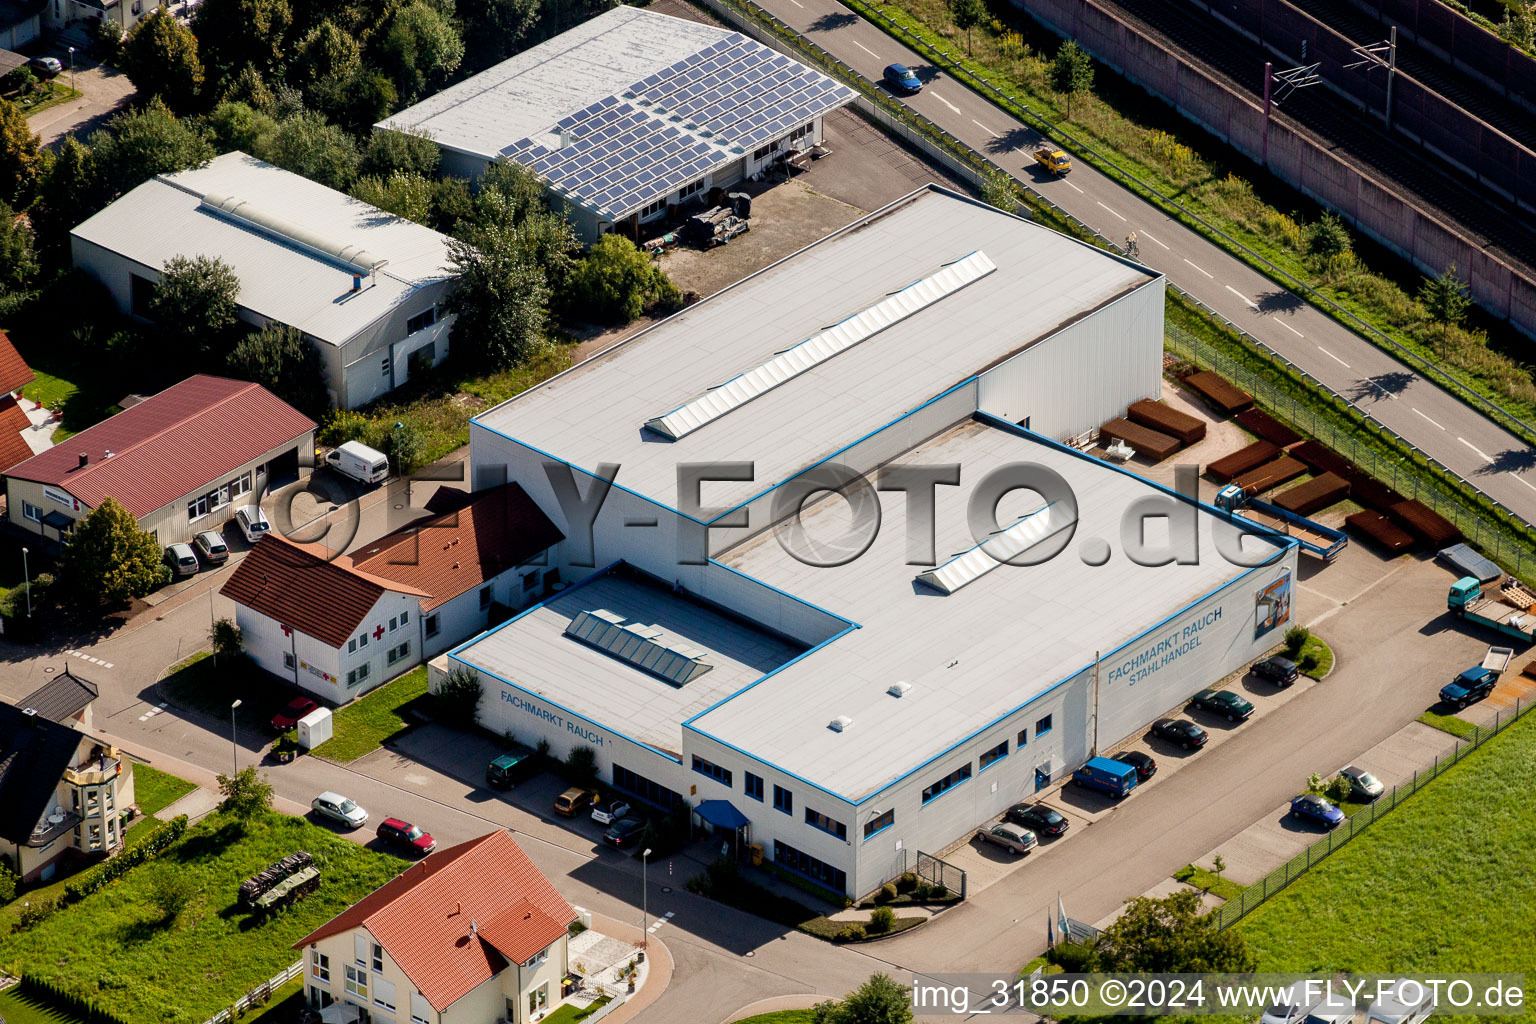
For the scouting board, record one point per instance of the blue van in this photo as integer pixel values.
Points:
(1112, 778)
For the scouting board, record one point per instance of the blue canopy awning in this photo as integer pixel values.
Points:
(721, 814)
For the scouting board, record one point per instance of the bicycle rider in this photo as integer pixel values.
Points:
(1130, 245)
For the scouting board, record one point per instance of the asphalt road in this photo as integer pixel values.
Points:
(1439, 424)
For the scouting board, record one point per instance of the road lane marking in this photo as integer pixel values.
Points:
(798, 4)
(1072, 187)
(1336, 359)
(944, 101)
(1427, 418)
(1246, 299)
(1111, 211)
(1484, 455)
(1288, 327)
(984, 128)
(1151, 239)
(867, 50)
(1524, 481)
(1202, 270)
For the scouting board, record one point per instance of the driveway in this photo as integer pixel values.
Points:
(106, 91)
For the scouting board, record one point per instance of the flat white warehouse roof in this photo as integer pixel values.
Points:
(294, 243)
(597, 411)
(971, 656)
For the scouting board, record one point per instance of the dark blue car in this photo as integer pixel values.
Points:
(1473, 684)
(901, 79)
(1317, 810)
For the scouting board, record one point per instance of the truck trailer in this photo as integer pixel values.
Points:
(1504, 606)
(1314, 538)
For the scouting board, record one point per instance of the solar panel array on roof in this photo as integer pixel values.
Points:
(641, 645)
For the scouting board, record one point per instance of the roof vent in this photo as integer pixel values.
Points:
(353, 256)
(898, 689)
(85, 460)
(474, 927)
(108, 453)
(29, 711)
(842, 723)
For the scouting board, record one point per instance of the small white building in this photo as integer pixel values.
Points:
(339, 625)
(630, 113)
(59, 15)
(365, 287)
(474, 933)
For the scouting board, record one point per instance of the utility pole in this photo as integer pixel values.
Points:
(27, 576)
(1380, 55)
(234, 743)
(645, 895)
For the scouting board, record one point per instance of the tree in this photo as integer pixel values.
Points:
(421, 49)
(967, 14)
(107, 559)
(367, 99)
(405, 447)
(306, 145)
(169, 890)
(581, 765)
(246, 794)
(458, 696)
(194, 304)
(500, 300)
(496, 29)
(227, 638)
(880, 1000)
(408, 152)
(136, 145)
(326, 53)
(1071, 72)
(1445, 297)
(18, 256)
(160, 58)
(20, 158)
(71, 190)
(616, 282)
(1001, 191)
(250, 88)
(234, 33)
(280, 359)
(238, 125)
(1218, 866)
(1171, 935)
(1328, 238)
(404, 195)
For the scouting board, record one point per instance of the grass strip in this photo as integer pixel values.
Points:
(1458, 727)
(368, 722)
(1209, 881)
(155, 790)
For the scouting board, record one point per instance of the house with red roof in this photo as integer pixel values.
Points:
(14, 375)
(474, 933)
(338, 625)
(181, 461)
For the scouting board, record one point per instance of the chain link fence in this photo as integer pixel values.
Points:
(1255, 895)
(936, 871)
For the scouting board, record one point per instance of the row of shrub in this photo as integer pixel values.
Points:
(83, 1010)
(908, 888)
(38, 910)
(881, 921)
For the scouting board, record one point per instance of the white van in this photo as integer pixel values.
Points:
(1405, 1002)
(1291, 1006)
(358, 461)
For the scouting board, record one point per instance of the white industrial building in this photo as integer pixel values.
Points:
(630, 113)
(366, 287)
(853, 715)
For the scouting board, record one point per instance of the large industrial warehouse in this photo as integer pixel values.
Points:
(855, 714)
(630, 113)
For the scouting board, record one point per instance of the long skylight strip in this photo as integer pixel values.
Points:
(972, 565)
(818, 348)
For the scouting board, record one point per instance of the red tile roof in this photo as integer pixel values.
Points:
(454, 552)
(13, 420)
(292, 584)
(458, 918)
(186, 437)
(14, 371)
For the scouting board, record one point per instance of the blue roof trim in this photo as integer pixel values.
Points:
(595, 574)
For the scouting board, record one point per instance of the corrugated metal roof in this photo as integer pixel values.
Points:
(286, 280)
(295, 586)
(14, 371)
(458, 918)
(190, 435)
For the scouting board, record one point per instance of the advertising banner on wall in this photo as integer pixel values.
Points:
(1272, 606)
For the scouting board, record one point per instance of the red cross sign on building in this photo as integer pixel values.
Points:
(378, 632)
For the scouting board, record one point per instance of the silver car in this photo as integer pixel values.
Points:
(340, 810)
(210, 547)
(252, 522)
(1009, 836)
(1362, 784)
(181, 559)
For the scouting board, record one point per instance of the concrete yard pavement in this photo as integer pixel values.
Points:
(105, 90)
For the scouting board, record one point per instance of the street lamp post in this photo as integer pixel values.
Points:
(234, 743)
(645, 893)
(71, 69)
(27, 576)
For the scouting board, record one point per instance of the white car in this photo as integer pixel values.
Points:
(252, 522)
(606, 813)
(340, 810)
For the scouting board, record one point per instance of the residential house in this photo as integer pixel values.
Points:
(14, 375)
(65, 14)
(181, 461)
(62, 790)
(20, 23)
(339, 625)
(471, 935)
(365, 287)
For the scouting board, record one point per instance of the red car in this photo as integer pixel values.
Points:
(404, 835)
(289, 717)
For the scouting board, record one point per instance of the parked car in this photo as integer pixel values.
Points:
(1335, 1008)
(1110, 777)
(901, 79)
(405, 836)
(356, 460)
(505, 770)
(624, 831)
(1176, 730)
(1470, 686)
(47, 67)
(573, 801)
(1314, 808)
(606, 812)
(340, 810)
(1145, 766)
(1014, 838)
(210, 547)
(1282, 671)
(252, 522)
(1040, 819)
(292, 711)
(1222, 702)
(1290, 1006)
(1362, 784)
(182, 559)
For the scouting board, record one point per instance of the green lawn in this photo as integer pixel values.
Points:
(569, 1014)
(154, 789)
(1315, 645)
(1442, 883)
(780, 1017)
(373, 718)
(284, 1006)
(16, 1008)
(112, 947)
(1458, 727)
(1200, 878)
(197, 684)
(58, 92)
